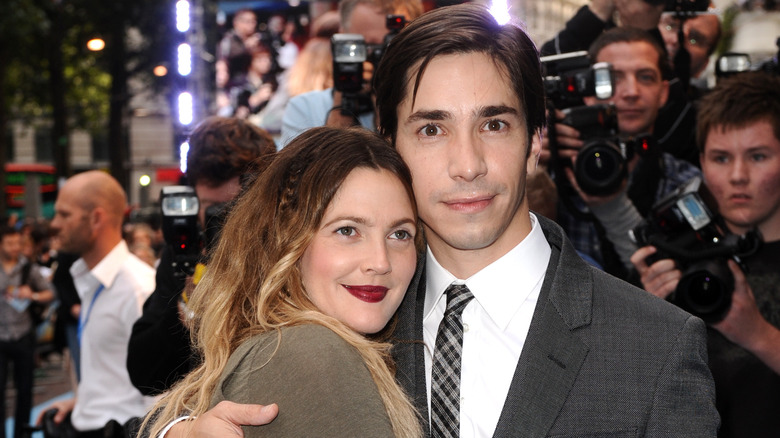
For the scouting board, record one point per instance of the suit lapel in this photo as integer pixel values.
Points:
(408, 347)
(552, 355)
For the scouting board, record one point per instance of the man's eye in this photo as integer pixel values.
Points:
(495, 125)
(430, 130)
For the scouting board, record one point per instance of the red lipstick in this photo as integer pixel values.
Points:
(367, 293)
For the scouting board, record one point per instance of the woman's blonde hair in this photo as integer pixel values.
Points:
(253, 283)
(313, 70)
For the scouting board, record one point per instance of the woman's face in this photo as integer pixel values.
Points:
(362, 257)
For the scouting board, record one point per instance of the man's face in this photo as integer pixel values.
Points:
(209, 195)
(11, 247)
(245, 24)
(71, 223)
(466, 142)
(742, 169)
(640, 91)
(700, 32)
(369, 21)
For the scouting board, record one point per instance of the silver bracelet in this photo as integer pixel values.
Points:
(173, 423)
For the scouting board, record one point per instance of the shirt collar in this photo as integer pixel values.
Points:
(520, 271)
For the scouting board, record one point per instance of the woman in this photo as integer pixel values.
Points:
(311, 266)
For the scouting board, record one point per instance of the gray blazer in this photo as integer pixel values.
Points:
(602, 359)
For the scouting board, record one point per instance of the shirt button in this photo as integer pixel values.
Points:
(465, 327)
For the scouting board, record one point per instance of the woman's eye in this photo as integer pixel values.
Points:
(402, 235)
(346, 231)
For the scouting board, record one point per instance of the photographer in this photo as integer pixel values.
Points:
(598, 221)
(318, 108)
(676, 121)
(221, 150)
(739, 139)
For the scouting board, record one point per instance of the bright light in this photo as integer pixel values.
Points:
(500, 11)
(96, 44)
(144, 180)
(183, 15)
(185, 59)
(160, 71)
(185, 108)
(184, 149)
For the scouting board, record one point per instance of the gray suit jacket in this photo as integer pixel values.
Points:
(602, 359)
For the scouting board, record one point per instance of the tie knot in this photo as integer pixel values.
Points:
(458, 296)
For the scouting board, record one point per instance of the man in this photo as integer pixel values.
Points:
(701, 33)
(22, 286)
(112, 284)
(641, 89)
(551, 346)
(234, 50)
(318, 108)
(739, 139)
(221, 151)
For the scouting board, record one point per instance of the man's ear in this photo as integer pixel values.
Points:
(535, 152)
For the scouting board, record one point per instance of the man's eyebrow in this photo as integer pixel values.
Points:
(496, 110)
(428, 115)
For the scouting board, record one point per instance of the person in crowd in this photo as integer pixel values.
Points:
(234, 54)
(313, 70)
(702, 33)
(251, 92)
(221, 151)
(598, 225)
(550, 345)
(329, 239)
(23, 287)
(112, 284)
(69, 307)
(739, 139)
(318, 108)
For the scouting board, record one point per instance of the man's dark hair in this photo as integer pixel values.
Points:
(632, 35)
(6, 230)
(738, 102)
(222, 148)
(460, 29)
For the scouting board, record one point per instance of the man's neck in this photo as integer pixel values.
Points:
(99, 251)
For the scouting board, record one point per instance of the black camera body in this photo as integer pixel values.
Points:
(602, 162)
(682, 227)
(350, 51)
(188, 242)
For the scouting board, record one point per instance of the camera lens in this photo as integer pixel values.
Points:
(600, 168)
(705, 290)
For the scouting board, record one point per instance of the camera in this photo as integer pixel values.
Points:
(181, 231)
(682, 227)
(601, 163)
(569, 77)
(731, 63)
(350, 51)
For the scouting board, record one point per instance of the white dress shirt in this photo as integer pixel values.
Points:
(105, 391)
(495, 326)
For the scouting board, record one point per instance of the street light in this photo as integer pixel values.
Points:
(96, 44)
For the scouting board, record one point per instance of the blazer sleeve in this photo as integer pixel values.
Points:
(321, 384)
(684, 402)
